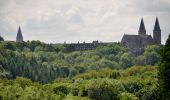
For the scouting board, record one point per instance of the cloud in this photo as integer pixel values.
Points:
(84, 20)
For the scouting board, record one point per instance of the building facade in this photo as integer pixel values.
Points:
(82, 46)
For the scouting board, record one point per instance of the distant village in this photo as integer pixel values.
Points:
(134, 43)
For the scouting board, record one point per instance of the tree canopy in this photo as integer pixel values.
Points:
(164, 71)
(36, 70)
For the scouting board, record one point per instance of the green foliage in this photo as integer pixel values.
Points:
(12, 90)
(61, 89)
(4, 74)
(103, 89)
(128, 84)
(126, 60)
(76, 98)
(46, 62)
(100, 74)
(127, 96)
(23, 82)
(151, 56)
(148, 93)
(107, 73)
(137, 70)
(164, 72)
(111, 49)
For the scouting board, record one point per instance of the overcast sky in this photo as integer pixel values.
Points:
(56, 21)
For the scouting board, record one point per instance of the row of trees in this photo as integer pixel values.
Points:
(135, 83)
(102, 74)
(46, 62)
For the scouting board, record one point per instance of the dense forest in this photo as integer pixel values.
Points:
(35, 70)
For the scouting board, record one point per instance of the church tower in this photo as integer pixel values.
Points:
(157, 33)
(19, 37)
(1, 38)
(142, 30)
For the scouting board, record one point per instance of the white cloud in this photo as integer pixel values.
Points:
(81, 20)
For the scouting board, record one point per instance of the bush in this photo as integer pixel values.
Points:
(23, 82)
(60, 89)
(127, 96)
(104, 89)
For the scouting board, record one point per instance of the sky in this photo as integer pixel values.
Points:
(70, 21)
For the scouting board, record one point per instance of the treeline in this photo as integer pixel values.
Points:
(46, 62)
(29, 46)
(134, 83)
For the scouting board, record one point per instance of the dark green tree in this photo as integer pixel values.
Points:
(164, 72)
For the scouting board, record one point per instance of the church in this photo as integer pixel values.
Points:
(136, 43)
(19, 37)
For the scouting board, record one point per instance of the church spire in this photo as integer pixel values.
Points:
(157, 32)
(142, 30)
(19, 35)
(157, 27)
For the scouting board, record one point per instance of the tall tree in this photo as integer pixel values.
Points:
(164, 72)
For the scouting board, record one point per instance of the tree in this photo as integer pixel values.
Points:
(126, 60)
(152, 55)
(104, 89)
(4, 74)
(23, 82)
(164, 72)
(151, 58)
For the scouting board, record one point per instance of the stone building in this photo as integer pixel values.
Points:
(82, 46)
(19, 37)
(136, 43)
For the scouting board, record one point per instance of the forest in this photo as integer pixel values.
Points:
(34, 70)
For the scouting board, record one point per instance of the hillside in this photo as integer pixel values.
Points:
(32, 70)
(135, 83)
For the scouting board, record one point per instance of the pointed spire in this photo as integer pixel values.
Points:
(157, 33)
(142, 28)
(157, 27)
(1, 38)
(19, 35)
